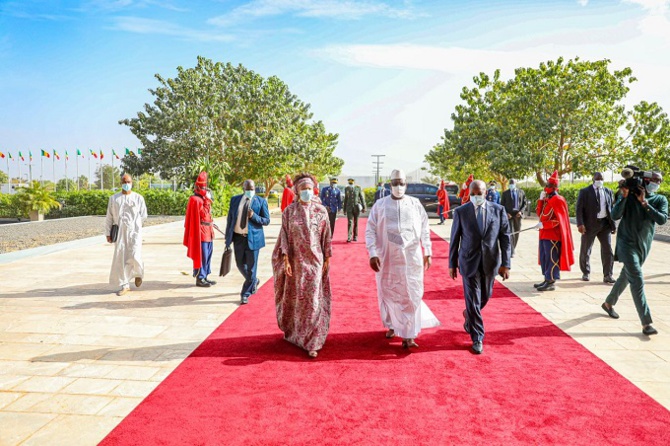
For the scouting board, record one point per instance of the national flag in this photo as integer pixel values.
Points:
(2, 155)
(93, 154)
(115, 155)
(30, 155)
(129, 152)
(10, 156)
(21, 156)
(67, 157)
(45, 153)
(139, 151)
(102, 155)
(56, 155)
(79, 153)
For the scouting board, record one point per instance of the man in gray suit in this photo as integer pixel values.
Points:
(480, 248)
(594, 219)
(514, 202)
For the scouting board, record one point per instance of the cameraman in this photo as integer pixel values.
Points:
(639, 210)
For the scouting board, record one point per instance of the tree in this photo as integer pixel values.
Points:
(66, 184)
(36, 200)
(649, 130)
(563, 116)
(4, 178)
(82, 183)
(253, 127)
(108, 175)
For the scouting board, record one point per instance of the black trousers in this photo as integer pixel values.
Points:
(603, 232)
(332, 216)
(247, 262)
(477, 290)
(515, 226)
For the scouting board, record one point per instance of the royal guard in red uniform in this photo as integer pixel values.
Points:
(199, 231)
(288, 196)
(556, 247)
(464, 194)
(442, 203)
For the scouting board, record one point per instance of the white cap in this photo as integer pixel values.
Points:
(398, 175)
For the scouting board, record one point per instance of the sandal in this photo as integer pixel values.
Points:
(313, 354)
(390, 333)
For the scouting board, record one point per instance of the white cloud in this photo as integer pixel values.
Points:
(653, 6)
(149, 26)
(657, 21)
(583, 2)
(345, 10)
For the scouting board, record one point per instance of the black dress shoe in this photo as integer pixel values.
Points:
(211, 282)
(548, 286)
(649, 330)
(610, 311)
(202, 283)
(244, 300)
(348, 241)
(355, 239)
(609, 279)
(586, 278)
(477, 348)
(538, 285)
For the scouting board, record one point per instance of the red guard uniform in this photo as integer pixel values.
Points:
(288, 196)
(464, 194)
(198, 229)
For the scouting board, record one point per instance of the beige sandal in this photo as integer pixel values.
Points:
(390, 333)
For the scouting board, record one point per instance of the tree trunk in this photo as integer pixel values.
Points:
(540, 178)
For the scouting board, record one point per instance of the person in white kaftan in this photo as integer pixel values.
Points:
(128, 210)
(396, 231)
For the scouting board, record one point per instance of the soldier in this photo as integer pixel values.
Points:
(354, 204)
(331, 198)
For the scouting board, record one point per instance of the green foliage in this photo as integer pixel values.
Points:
(3, 177)
(36, 198)
(231, 116)
(369, 194)
(109, 175)
(10, 206)
(66, 184)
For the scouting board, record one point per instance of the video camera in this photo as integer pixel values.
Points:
(633, 179)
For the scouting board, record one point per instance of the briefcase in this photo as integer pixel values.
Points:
(226, 262)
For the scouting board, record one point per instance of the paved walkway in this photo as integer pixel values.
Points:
(75, 358)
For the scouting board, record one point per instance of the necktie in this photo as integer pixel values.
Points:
(516, 200)
(480, 219)
(598, 198)
(245, 214)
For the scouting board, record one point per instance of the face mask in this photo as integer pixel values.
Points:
(512, 186)
(249, 193)
(549, 190)
(598, 184)
(492, 188)
(398, 191)
(127, 186)
(333, 184)
(379, 188)
(306, 195)
(477, 200)
(652, 187)
(201, 192)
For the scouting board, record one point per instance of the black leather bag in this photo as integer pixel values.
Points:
(226, 262)
(114, 233)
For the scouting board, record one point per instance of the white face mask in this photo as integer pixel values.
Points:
(398, 191)
(652, 188)
(306, 195)
(477, 200)
(598, 184)
(512, 186)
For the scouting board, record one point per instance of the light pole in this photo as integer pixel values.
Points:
(378, 163)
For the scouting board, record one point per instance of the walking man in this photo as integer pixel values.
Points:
(127, 210)
(594, 219)
(198, 231)
(381, 192)
(247, 214)
(396, 232)
(492, 194)
(514, 202)
(640, 211)
(480, 248)
(331, 198)
(354, 204)
(442, 203)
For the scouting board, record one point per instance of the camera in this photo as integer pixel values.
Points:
(633, 179)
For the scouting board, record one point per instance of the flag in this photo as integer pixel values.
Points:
(102, 155)
(79, 153)
(67, 157)
(10, 156)
(30, 155)
(56, 155)
(2, 155)
(93, 154)
(115, 155)
(45, 153)
(129, 152)
(139, 151)
(21, 156)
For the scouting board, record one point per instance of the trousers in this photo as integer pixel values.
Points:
(550, 259)
(631, 274)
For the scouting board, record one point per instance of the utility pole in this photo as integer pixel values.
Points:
(378, 163)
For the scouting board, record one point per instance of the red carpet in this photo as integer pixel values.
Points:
(533, 384)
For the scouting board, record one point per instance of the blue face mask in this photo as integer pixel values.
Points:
(652, 188)
(379, 188)
(477, 200)
(127, 186)
(249, 193)
(306, 195)
(512, 186)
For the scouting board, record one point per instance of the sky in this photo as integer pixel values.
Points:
(384, 75)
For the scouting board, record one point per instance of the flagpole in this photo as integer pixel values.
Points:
(102, 175)
(67, 180)
(77, 158)
(89, 169)
(18, 161)
(9, 177)
(41, 170)
(53, 170)
(113, 156)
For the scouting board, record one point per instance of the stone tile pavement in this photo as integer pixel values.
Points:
(75, 358)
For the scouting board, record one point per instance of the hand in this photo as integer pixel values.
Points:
(504, 272)
(519, 215)
(287, 267)
(250, 213)
(326, 266)
(375, 264)
(453, 273)
(109, 239)
(641, 197)
(539, 226)
(543, 195)
(509, 216)
(426, 262)
(581, 229)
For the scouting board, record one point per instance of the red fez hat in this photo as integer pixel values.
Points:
(470, 179)
(553, 179)
(202, 179)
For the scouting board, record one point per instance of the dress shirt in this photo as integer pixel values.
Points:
(240, 208)
(600, 196)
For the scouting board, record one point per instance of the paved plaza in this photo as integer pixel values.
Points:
(75, 358)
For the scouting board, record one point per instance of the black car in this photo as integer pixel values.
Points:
(427, 194)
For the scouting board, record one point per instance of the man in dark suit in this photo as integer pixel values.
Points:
(514, 202)
(480, 248)
(594, 219)
(247, 215)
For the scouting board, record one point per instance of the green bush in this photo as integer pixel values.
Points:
(10, 207)
(369, 194)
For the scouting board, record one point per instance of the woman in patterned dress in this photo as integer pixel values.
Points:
(300, 264)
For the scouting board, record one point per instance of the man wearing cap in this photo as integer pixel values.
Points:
(354, 204)
(396, 232)
(492, 194)
(247, 214)
(198, 231)
(556, 247)
(331, 198)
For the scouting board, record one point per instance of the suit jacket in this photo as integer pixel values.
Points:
(507, 201)
(261, 217)
(587, 207)
(353, 195)
(469, 249)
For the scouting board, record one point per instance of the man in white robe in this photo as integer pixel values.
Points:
(128, 210)
(396, 231)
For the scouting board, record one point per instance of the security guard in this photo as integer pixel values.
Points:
(331, 198)
(354, 204)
